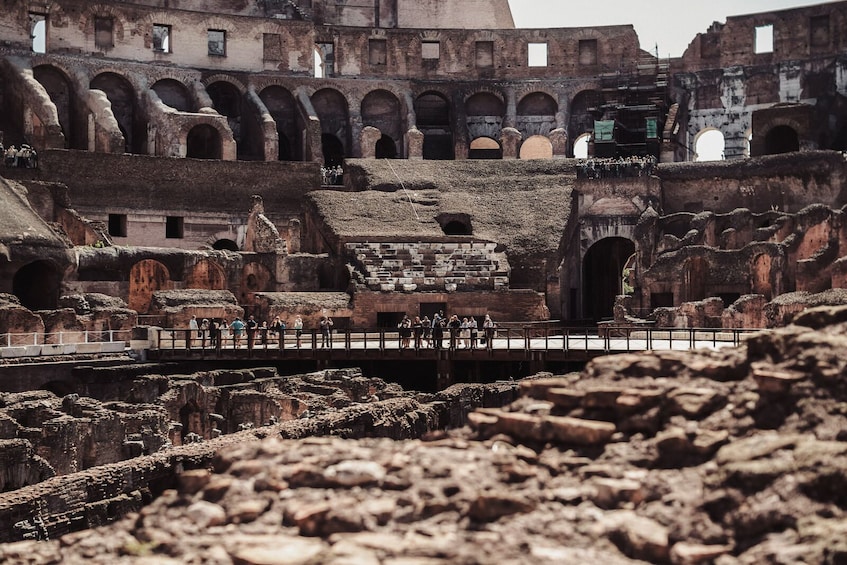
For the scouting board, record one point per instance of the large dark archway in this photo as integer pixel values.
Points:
(386, 148)
(381, 109)
(37, 285)
(331, 107)
(536, 114)
(203, 142)
(333, 150)
(585, 108)
(282, 107)
(602, 275)
(227, 101)
(433, 120)
(781, 139)
(174, 94)
(122, 98)
(61, 92)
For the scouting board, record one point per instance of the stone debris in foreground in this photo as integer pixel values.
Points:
(635, 460)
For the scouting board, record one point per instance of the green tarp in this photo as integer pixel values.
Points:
(604, 130)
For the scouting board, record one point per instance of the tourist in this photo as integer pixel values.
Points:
(193, 328)
(204, 329)
(263, 332)
(405, 333)
(488, 326)
(466, 333)
(278, 329)
(426, 325)
(224, 332)
(472, 326)
(11, 156)
(251, 326)
(437, 332)
(237, 327)
(214, 330)
(298, 329)
(326, 331)
(455, 326)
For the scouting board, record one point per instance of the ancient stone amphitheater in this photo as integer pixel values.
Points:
(371, 160)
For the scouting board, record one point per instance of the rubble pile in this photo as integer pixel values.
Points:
(729, 457)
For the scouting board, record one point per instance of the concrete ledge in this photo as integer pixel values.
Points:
(89, 347)
(6, 352)
(112, 347)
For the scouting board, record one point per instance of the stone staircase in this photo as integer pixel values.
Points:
(436, 266)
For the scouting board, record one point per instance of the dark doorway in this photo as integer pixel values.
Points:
(204, 142)
(122, 99)
(781, 139)
(603, 275)
(386, 148)
(430, 309)
(37, 286)
(433, 119)
(226, 244)
(388, 320)
(333, 150)
(284, 148)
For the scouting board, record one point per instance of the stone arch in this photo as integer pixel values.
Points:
(536, 114)
(228, 101)
(581, 146)
(382, 109)
(386, 148)
(255, 277)
(432, 109)
(146, 277)
(207, 275)
(203, 141)
(781, 139)
(37, 285)
(283, 109)
(225, 244)
(709, 145)
(602, 275)
(537, 147)
(332, 109)
(174, 93)
(91, 13)
(455, 223)
(71, 113)
(484, 113)
(124, 104)
(585, 108)
(485, 148)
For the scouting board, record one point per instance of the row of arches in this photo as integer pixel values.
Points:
(442, 120)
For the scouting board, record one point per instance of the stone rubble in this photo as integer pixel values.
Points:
(729, 457)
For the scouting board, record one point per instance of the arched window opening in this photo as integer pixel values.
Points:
(37, 285)
(61, 93)
(485, 148)
(122, 99)
(381, 109)
(280, 103)
(38, 31)
(174, 94)
(226, 99)
(603, 275)
(225, 244)
(709, 145)
(580, 146)
(781, 139)
(333, 150)
(386, 148)
(537, 147)
(433, 119)
(204, 142)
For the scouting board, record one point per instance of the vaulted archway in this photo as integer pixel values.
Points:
(283, 109)
(71, 117)
(203, 142)
(122, 98)
(602, 275)
(433, 120)
(174, 94)
(37, 285)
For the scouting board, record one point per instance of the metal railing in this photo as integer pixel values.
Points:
(527, 338)
(64, 337)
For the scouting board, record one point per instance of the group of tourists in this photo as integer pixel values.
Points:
(621, 167)
(332, 175)
(220, 332)
(23, 156)
(464, 333)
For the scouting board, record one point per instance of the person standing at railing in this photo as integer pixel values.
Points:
(278, 329)
(193, 329)
(251, 326)
(237, 327)
(488, 326)
(298, 329)
(437, 332)
(326, 331)
(455, 326)
(472, 325)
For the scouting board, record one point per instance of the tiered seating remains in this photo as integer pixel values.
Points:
(435, 266)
